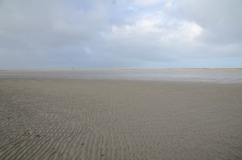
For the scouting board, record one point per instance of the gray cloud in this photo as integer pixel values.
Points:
(138, 33)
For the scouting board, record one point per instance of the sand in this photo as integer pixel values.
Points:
(119, 119)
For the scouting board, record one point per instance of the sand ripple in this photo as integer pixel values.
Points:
(111, 119)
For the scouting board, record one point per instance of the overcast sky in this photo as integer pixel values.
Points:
(42, 34)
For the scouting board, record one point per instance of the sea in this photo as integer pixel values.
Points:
(192, 75)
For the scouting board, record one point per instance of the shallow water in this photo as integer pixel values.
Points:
(201, 75)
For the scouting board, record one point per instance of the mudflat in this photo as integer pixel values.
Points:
(58, 118)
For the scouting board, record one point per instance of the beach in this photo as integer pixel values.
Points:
(90, 119)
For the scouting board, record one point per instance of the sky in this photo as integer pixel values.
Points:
(61, 34)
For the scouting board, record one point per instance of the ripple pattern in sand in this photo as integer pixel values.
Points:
(98, 119)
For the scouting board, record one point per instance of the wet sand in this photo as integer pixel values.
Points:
(119, 119)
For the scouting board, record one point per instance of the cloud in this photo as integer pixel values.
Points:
(91, 34)
(146, 2)
(153, 37)
(220, 19)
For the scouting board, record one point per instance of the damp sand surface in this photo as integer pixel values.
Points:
(78, 119)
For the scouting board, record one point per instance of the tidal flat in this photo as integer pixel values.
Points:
(98, 118)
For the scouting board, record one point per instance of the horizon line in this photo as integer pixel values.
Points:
(71, 69)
